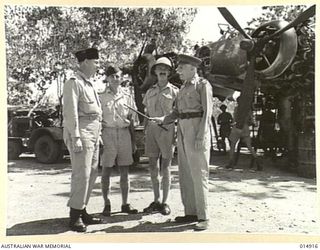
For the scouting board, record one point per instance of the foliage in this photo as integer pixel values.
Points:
(40, 41)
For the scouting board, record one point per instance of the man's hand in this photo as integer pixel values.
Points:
(158, 120)
(100, 141)
(199, 143)
(77, 145)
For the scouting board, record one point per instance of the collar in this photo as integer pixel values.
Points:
(193, 81)
(118, 94)
(83, 76)
(158, 87)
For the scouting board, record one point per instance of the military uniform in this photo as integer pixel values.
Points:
(82, 116)
(193, 110)
(116, 119)
(159, 102)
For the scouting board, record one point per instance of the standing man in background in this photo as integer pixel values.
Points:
(225, 121)
(118, 138)
(159, 101)
(82, 117)
(193, 110)
(237, 135)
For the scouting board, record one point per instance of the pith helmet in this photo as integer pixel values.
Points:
(162, 60)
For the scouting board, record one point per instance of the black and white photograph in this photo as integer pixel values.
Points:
(149, 121)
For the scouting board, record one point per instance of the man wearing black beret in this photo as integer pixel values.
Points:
(81, 130)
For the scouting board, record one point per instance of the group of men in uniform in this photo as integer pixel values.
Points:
(110, 116)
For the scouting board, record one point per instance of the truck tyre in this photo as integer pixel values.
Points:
(14, 149)
(47, 150)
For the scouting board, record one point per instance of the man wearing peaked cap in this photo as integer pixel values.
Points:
(185, 59)
(193, 110)
(81, 130)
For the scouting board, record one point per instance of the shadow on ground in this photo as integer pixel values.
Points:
(60, 225)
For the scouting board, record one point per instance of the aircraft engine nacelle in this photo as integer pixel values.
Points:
(225, 57)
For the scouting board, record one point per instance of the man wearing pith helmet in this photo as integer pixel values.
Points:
(82, 116)
(159, 101)
(193, 110)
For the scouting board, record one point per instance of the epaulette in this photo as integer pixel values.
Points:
(203, 80)
(103, 92)
(125, 91)
(174, 86)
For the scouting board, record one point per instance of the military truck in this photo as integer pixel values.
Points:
(38, 132)
(41, 132)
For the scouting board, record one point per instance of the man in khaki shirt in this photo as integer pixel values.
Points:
(118, 138)
(159, 101)
(81, 117)
(193, 110)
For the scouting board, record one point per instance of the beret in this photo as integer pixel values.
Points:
(186, 59)
(112, 70)
(90, 53)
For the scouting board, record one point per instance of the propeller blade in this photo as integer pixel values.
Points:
(232, 21)
(301, 18)
(246, 96)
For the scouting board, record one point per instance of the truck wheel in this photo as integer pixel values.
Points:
(14, 150)
(47, 150)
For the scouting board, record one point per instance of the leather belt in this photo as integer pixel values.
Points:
(189, 115)
(91, 117)
(115, 128)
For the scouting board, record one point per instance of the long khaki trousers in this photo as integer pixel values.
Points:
(193, 168)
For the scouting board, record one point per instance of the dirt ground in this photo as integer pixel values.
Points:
(269, 202)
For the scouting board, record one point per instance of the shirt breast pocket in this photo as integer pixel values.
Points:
(167, 101)
(107, 107)
(87, 104)
(193, 99)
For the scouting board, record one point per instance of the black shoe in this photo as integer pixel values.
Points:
(128, 209)
(154, 206)
(89, 219)
(165, 209)
(106, 211)
(76, 224)
(186, 218)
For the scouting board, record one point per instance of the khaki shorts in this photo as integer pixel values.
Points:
(117, 147)
(159, 141)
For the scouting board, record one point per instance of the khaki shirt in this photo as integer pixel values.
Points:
(159, 102)
(80, 99)
(194, 96)
(114, 112)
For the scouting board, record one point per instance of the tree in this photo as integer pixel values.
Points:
(40, 41)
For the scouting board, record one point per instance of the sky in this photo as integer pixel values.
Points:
(205, 24)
